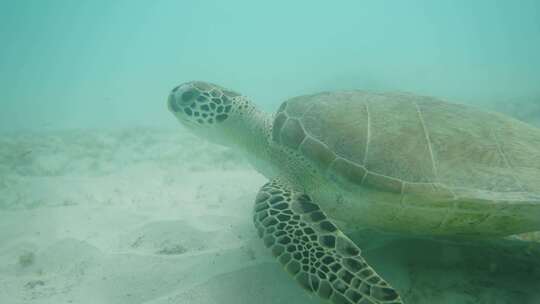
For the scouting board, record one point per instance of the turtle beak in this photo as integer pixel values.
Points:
(171, 104)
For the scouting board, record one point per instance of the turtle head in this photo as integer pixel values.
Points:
(209, 110)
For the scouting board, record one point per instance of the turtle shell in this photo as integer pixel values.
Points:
(410, 144)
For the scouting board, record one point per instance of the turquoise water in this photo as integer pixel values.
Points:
(109, 63)
(104, 198)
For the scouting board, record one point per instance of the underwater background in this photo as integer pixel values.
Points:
(111, 63)
(105, 198)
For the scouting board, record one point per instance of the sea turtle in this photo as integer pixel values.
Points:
(397, 162)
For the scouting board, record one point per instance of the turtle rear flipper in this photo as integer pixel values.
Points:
(313, 250)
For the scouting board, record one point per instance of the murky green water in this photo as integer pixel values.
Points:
(104, 198)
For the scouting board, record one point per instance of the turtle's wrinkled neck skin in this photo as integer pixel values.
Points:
(224, 117)
(250, 135)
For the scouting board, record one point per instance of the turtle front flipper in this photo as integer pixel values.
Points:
(313, 250)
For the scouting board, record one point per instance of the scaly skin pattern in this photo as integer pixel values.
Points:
(301, 236)
(314, 251)
(383, 161)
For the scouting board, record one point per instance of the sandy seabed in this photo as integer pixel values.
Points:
(159, 216)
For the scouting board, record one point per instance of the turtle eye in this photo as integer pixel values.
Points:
(188, 96)
(203, 107)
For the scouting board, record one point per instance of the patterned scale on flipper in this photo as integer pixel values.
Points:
(314, 251)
